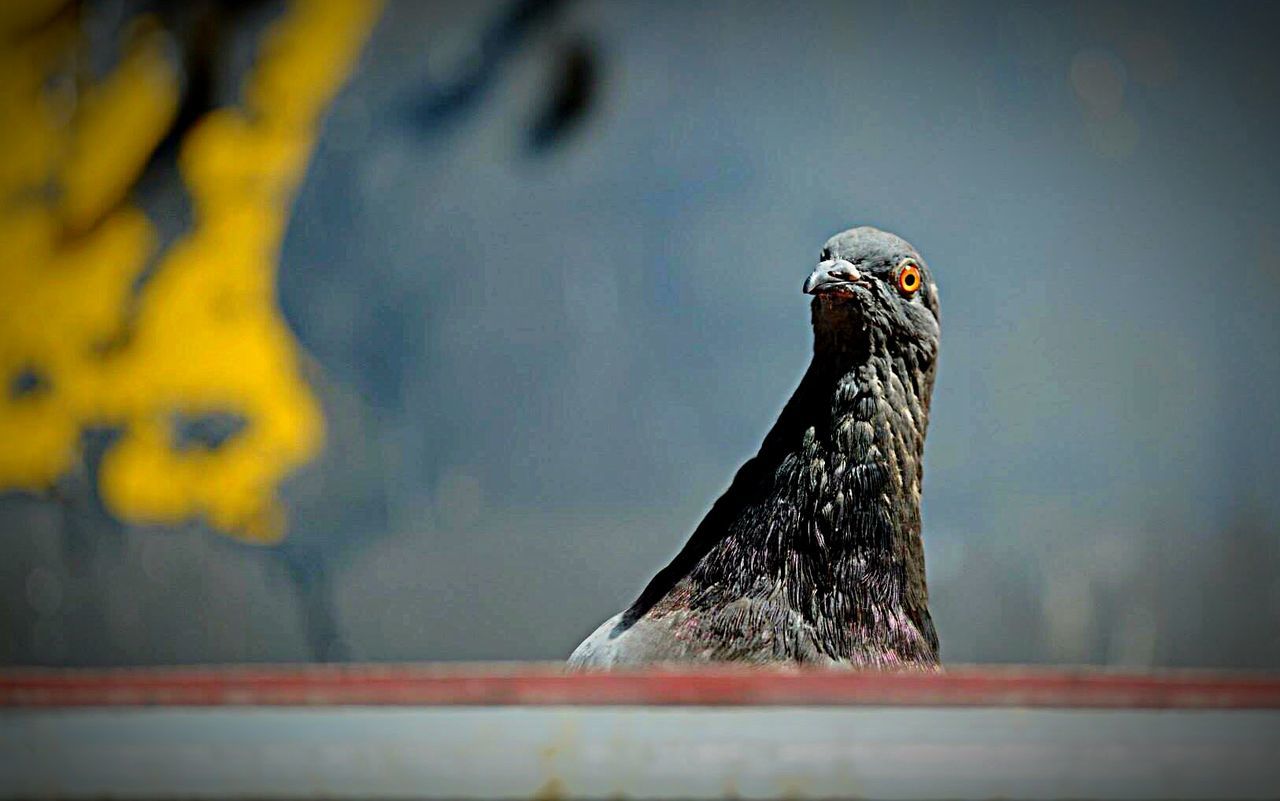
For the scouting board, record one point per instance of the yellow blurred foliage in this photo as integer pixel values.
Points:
(81, 345)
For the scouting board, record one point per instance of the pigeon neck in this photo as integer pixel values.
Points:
(855, 468)
(867, 406)
(824, 522)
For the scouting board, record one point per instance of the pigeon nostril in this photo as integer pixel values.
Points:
(840, 270)
(845, 272)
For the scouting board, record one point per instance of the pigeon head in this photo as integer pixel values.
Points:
(871, 284)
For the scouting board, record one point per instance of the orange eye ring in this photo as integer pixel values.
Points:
(908, 277)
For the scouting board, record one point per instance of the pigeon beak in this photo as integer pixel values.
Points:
(831, 275)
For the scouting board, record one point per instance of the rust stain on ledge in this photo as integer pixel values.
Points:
(541, 684)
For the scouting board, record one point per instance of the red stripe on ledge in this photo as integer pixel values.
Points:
(543, 685)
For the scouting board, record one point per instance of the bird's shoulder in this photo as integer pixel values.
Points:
(743, 630)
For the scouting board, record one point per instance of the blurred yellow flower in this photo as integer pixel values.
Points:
(81, 344)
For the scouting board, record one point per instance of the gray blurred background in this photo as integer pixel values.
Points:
(546, 267)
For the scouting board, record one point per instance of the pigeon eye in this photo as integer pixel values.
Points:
(908, 277)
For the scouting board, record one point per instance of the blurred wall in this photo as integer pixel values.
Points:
(432, 333)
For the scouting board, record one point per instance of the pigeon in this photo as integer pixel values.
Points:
(813, 555)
